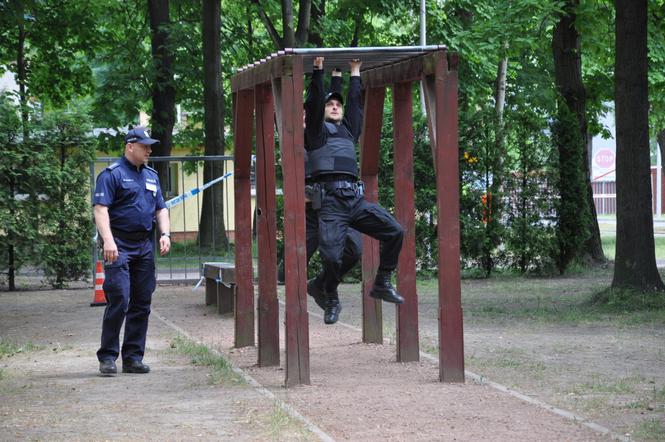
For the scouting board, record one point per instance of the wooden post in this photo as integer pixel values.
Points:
(243, 108)
(407, 313)
(295, 257)
(370, 144)
(442, 91)
(268, 307)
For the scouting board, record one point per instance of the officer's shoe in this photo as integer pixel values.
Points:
(107, 367)
(383, 289)
(131, 366)
(315, 290)
(331, 313)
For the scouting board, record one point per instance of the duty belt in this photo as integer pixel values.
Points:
(131, 236)
(334, 185)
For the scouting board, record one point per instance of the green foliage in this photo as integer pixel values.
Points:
(483, 162)
(530, 230)
(59, 39)
(66, 226)
(44, 206)
(20, 183)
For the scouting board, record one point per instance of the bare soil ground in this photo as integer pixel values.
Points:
(522, 334)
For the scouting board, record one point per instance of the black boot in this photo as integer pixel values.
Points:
(333, 307)
(315, 290)
(383, 288)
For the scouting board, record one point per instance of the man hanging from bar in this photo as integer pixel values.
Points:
(331, 134)
(353, 244)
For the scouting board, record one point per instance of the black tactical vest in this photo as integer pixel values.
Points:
(338, 155)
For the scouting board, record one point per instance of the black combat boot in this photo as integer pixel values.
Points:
(383, 288)
(333, 307)
(315, 290)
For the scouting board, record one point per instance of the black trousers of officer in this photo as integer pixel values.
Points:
(128, 285)
(353, 246)
(343, 207)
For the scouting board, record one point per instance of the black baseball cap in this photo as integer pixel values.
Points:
(139, 135)
(334, 96)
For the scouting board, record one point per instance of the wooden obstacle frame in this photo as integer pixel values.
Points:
(270, 92)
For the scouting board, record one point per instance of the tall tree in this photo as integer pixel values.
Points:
(635, 261)
(212, 230)
(566, 48)
(163, 90)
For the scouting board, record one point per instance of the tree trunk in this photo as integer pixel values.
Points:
(568, 78)
(318, 11)
(212, 229)
(494, 174)
(635, 262)
(500, 93)
(163, 90)
(356, 30)
(304, 16)
(287, 24)
(272, 31)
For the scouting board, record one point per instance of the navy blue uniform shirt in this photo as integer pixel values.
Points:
(132, 195)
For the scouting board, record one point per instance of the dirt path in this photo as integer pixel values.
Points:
(358, 391)
(53, 392)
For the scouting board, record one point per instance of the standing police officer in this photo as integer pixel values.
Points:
(330, 138)
(128, 201)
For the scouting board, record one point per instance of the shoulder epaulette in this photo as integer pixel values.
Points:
(150, 168)
(113, 166)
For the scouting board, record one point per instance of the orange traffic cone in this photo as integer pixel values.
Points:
(100, 298)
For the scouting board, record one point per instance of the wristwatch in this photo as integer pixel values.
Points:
(166, 234)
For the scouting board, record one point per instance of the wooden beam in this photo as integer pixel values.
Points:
(405, 212)
(295, 256)
(404, 71)
(268, 308)
(445, 126)
(370, 146)
(259, 74)
(243, 109)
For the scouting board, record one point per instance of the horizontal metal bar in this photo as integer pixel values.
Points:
(360, 50)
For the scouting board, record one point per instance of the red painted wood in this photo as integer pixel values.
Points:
(369, 167)
(451, 340)
(295, 257)
(243, 109)
(405, 212)
(268, 306)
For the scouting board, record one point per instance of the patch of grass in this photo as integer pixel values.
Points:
(573, 299)
(598, 385)
(609, 246)
(8, 348)
(282, 426)
(509, 359)
(659, 395)
(650, 429)
(221, 370)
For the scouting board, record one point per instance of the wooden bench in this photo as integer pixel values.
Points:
(220, 285)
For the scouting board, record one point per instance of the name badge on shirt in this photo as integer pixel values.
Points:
(151, 187)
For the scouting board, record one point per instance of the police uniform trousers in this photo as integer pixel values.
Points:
(353, 245)
(128, 286)
(344, 207)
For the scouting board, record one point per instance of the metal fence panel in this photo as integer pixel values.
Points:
(189, 248)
